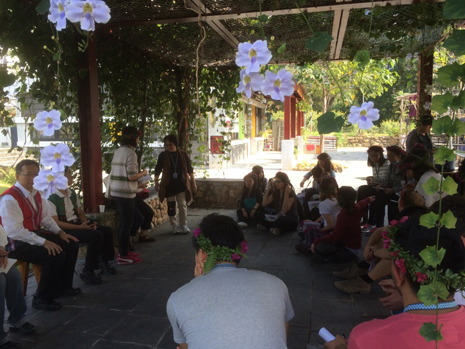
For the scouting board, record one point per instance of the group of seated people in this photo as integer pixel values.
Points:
(47, 233)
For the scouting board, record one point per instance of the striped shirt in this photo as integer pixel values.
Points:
(381, 174)
(124, 164)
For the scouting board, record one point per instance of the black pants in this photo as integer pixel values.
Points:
(363, 192)
(335, 253)
(284, 223)
(308, 214)
(130, 220)
(58, 271)
(383, 199)
(248, 220)
(100, 245)
(146, 212)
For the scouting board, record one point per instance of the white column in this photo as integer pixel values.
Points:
(287, 154)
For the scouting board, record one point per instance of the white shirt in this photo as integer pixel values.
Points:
(12, 218)
(3, 237)
(69, 207)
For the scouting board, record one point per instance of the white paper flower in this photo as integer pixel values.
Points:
(364, 115)
(251, 56)
(48, 182)
(278, 85)
(58, 13)
(48, 122)
(249, 82)
(87, 12)
(56, 156)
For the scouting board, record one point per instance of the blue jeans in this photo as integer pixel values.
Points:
(11, 291)
(130, 220)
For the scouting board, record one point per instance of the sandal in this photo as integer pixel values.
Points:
(146, 238)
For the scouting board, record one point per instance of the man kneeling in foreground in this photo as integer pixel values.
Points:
(224, 306)
(403, 330)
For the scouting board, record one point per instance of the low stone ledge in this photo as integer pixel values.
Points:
(218, 192)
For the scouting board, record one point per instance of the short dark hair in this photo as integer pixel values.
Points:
(346, 197)
(317, 171)
(129, 136)
(171, 138)
(26, 162)
(221, 230)
(414, 238)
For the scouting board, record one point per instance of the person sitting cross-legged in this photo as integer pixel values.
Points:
(225, 306)
(11, 292)
(65, 208)
(23, 213)
(406, 242)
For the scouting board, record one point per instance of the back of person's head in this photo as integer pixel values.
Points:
(328, 188)
(346, 197)
(425, 120)
(129, 136)
(171, 138)
(26, 162)
(317, 172)
(420, 151)
(411, 198)
(418, 165)
(396, 150)
(328, 166)
(456, 204)
(413, 238)
(221, 231)
(283, 177)
(380, 151)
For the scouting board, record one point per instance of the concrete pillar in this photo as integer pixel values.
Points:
(293, 117)
(287, 154)
(287, 117)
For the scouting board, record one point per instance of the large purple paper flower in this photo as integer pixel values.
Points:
(88, 12)
(48, 182)
(58, 13)
(249, 82)
(251, 56)
(56, 156)
(278, 85)
(48, 122)
(364, 115)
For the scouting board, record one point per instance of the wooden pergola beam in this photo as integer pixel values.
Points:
(255, 14)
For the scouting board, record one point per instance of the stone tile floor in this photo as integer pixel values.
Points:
(128, 309)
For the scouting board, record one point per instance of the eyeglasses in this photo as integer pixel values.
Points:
(29, 174)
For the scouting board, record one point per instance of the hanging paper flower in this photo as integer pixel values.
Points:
(249, 82)
(364, 115)
(48, 182)
(48, 122)
(87, 13)
(401, 265)
(421, 277)
(278, 85)
(58, 13)
(252, 55)
(56, 156)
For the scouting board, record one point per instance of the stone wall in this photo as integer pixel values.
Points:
(217, 192)
(367, 141)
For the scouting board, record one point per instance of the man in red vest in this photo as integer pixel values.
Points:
(34, 237)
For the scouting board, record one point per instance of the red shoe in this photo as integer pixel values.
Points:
(134, 254)
(125, 260)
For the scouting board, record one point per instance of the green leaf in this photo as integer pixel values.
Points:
(441, 125)
(453, 9)
(441, 288)
(431, 186)
(443, 154)
(431, 257)
(5, 78)
(43, 7)
(57, 56)
(440, 103)
(429, 333)
(263, 18)
(458, 126)
(319, 42)
(328, 122)
(455, 42)
(458, 101)
(449, 186)
(426, 295)
(429, 220)
(449, 75)
(282, 48)
(362, 57)
(448, 220)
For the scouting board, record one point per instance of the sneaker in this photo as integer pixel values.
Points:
(354, 285)
(134, 254)
(367, 227)
(89, 277)
(125, 260)
(302, 248)
(261, 227)
(185, 229)
(45, 304)
(351, 272)
(242, 225)
(175, 229)
(26, 328)
(276, 231)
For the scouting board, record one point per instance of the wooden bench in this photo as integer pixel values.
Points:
(24, 271)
